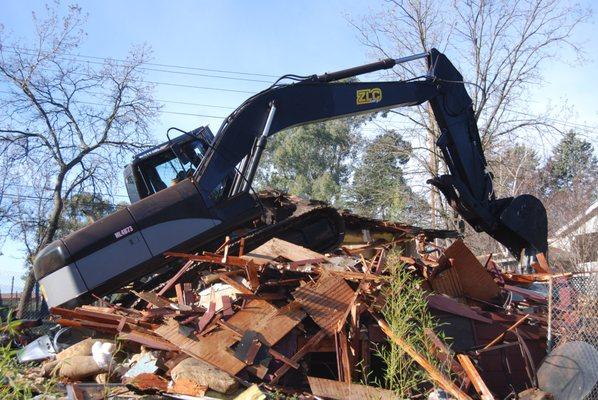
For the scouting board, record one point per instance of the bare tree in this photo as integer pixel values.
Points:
(499, 45)
(65, 125)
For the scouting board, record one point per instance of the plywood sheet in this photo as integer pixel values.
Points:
(325, 301)
(347, 391)
(258, 315)
(275, 248)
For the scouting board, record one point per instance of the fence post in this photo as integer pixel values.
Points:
(36, 297)
(549, 330)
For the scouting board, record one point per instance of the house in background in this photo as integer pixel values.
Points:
(576, 244)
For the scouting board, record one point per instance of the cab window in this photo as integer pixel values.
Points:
(169, 167)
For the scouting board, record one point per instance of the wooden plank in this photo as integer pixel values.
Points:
(543, 266)
(252, 277)
(326, 301)
(275, 248)
(207, 317)
(180, 298)
(227, 306)
(347, 391)
(238, 286)
(154, 299)
(437, 376)
(502, 335)
(446, 355)
(450, 305)
(475, 280)
(258, 315)
(176, 277)
(345, 366)
(226, 247)
(274, 353)
(474, 376)
(150, 341)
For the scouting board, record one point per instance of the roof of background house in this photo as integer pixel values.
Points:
(578, 221)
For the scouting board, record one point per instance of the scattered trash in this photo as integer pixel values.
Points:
(40, 349)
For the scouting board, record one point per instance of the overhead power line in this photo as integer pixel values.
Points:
(223, 71)
(81, 56)
(166, 112)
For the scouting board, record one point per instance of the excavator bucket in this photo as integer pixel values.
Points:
(524, 226)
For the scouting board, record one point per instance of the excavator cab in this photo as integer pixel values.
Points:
(166, 164)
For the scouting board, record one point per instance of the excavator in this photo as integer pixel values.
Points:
(190, 193)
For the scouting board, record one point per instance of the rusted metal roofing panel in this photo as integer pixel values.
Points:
(447, 282)
(475, 280)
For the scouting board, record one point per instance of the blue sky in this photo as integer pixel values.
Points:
(265, 37)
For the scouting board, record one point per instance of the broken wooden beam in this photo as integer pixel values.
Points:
(443, 381)
(474, 377)
(502, 335)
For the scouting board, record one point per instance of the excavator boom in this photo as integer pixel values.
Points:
(518, 223)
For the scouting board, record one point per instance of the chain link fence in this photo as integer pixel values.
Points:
(9, 301)
(573, 315)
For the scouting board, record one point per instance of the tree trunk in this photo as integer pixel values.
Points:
(433, 165)
(45, 239)
(26, 294)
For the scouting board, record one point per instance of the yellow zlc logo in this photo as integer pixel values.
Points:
(368, 96)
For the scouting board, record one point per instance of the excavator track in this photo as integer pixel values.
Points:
(309, 223)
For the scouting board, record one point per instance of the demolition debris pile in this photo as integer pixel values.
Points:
(285, 320)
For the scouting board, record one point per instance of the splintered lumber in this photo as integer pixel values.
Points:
(474, 376)
(347, 391)
(446, 355)
(275, 248)
(344, 364)
(326, 301)
(236, 285)
(213, 347)
(437, 376)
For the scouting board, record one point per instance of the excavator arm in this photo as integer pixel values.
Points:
(518, 223)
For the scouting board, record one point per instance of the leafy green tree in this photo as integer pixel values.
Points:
(312, 160)
(379, 186)
(572, 162)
